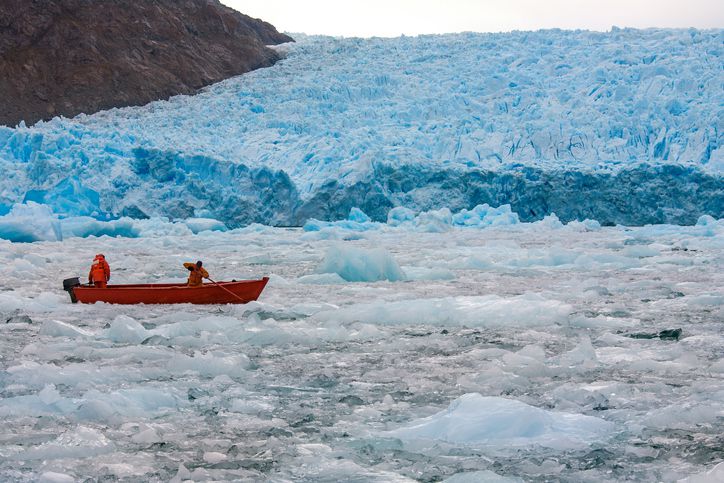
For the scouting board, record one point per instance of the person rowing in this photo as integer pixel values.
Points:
(197, 275)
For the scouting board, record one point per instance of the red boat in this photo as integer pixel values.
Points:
(235, 292)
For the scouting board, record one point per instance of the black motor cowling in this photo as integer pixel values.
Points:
(69, 284)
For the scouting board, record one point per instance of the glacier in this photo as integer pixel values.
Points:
(623, 127)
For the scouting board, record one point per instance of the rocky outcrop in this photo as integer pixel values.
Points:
(65, 57)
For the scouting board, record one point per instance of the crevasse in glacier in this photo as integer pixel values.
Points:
(622, 127)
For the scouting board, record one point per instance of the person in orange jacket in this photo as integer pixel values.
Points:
(100, 272)
(198, 273)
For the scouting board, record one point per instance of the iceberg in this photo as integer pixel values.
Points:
(360, 264)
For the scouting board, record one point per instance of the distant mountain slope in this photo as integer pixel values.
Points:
(623, 127)
(66, 57)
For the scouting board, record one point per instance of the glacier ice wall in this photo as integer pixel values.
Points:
(623, 127)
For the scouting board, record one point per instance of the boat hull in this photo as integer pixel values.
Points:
(222, 293)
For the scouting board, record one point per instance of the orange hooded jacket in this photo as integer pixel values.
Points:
(100, 271)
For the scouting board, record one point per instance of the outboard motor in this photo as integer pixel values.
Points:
(69, 284)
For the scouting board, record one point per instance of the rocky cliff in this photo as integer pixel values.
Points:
(65, 57)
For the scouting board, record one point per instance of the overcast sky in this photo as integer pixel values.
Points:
(391, 18)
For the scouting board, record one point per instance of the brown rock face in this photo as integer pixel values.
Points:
(65, 57)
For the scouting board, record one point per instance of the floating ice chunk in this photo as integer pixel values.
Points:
(34, 405)
(321, 279)
(330, 233)
(211, 365)
(481, 477)
(640, 251)
(33, 222)
(53, 477)
(183, 474)
(361, 264)
(46, 302)
(552, 257)
(684, 416)
(311, 308)
(244, 406)
(423, 273)
(29, 223)
(475, 420)
(313, 224)
(399, 215)
(528, 310)
(253, 228)
(10, 303)
(583, 356)
(484, 215)
(319, 462)
(156, 227)
(437, 221)
(715, 299)
(528, 362)
(146, 436)
(355, 214)
(210, 324)
(56, 328)
(495, 380)
(124, 403)
(277, 281)
(198, 225)
(602, 321)
(706, 220)
(596, 396)
(551, 222)
(85, 226)
(356, 221)
(49, 395)
(709, 225)
(585, 225)
(214, 457)
(83, 442)
(127, 330)
(714, 475)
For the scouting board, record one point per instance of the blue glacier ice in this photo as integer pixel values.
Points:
(354, 264)
(30, 222)
(622, 127)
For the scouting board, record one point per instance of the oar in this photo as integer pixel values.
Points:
(227, 290)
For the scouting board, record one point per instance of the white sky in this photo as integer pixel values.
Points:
(390, 18)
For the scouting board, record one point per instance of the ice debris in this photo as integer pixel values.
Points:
(528, 310)
(433, 221)
(31, 222)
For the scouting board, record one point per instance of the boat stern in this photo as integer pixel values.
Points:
(69, 285)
